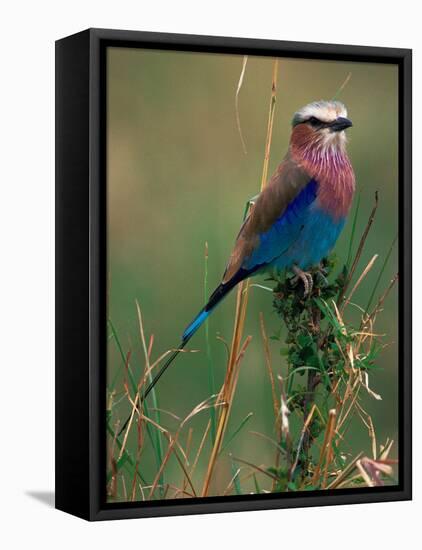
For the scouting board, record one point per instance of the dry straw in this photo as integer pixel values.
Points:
(237, 349)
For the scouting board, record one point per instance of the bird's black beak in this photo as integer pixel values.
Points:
(341, 123)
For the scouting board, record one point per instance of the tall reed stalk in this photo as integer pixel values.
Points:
(236, 349)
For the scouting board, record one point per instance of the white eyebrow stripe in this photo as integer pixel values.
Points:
(326, 111)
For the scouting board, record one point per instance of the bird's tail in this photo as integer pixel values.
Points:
(220, 292)
(195, 324)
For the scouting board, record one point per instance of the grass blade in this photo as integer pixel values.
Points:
(149, 428)
(123, 357)
(157, 434)
(235, 474)
(352, 235)
(211, 380)
(377, 282)
(346, 81)
(236, 102)
(237, 430)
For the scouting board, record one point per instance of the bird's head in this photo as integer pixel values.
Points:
(320, 124)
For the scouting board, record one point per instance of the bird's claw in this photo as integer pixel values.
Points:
(322, 269)
(323, 278)
(306, 278)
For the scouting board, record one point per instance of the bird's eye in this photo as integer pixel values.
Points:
(314, 121)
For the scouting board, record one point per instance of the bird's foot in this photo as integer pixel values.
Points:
(306, 278)
(322, 269)
(322, 273)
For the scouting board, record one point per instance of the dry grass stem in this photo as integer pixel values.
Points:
(359, 250)
(267, 355)
(360, 279)
(328, 435)
(302, 436)
(345, 473)
(345, 83)
(331, 426)
(240, 314)
(260, 469)
(201, 446)
(236, 101)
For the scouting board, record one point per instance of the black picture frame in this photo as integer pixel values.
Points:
(81, 272)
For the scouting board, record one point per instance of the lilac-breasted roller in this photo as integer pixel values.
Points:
(298, 216)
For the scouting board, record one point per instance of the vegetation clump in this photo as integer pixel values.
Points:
(328, 362)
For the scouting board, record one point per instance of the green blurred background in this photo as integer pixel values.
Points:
(178, 177)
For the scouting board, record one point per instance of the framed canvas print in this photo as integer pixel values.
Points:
(233, 274)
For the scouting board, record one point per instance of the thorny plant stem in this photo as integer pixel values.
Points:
(313, 381)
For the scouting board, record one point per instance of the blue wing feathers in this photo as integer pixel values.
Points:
(286, 230)
(302, 235)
